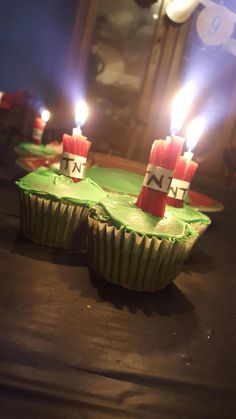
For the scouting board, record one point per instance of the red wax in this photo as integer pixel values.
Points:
(184, 170)
(76, 144)
(163, 154)
(38, 130)
(12, 100)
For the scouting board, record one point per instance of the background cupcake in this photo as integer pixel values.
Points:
(26, 149)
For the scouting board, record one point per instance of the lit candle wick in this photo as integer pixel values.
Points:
(81, 115)
(76, 131)
(188, 155)
(173, 132)
(193, 132)
(45, 115)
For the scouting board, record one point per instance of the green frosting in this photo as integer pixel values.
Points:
(115, 180)
(46, 182)
(189, 214)
(122, 181)
(121, 211)
(36, 149)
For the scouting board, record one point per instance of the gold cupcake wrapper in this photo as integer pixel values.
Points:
(27, 153)
(21, 153)
(53, 223)
(135, 262)
(200, 228)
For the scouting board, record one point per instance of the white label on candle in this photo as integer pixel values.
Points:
(158, 178)
(178, 189)
(72, 165)
(37, 134)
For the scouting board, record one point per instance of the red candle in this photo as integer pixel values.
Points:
(163, 158)
(1, 97)
(185, 168)
(75, 148)
(183, 174)
(39, 126)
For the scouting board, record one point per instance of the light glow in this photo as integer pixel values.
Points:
(45, 115)
(193, 132)
(180, 107)
(81, 113)
(155, 9)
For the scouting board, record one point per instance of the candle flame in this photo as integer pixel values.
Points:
(180, 106)
(194, 131)
(81, 112)
(45, 115)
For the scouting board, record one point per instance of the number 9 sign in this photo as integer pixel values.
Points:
(215, 25)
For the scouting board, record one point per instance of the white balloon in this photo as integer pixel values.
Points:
(215, 25)
(180, 10)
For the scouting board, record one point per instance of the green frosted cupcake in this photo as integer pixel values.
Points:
(134, 249)
(34, 150)
(196, 219)
(54, 209)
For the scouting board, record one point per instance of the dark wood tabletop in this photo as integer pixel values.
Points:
(74, 346)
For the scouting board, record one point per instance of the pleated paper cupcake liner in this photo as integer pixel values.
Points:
(53, 223)
(132, 261)
(200, 228)
(27, 153)
(20, 153)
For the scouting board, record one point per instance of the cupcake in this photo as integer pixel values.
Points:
(133, 248)
(35, 150)
(54, 209)
(54, 206)
(196, 219)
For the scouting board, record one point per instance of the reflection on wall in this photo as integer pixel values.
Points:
(124, 30)
(118, 59)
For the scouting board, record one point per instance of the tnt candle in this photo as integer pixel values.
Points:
(76, 147)
(185, 168)
(39, 126)
(157, 181)
(163, 158)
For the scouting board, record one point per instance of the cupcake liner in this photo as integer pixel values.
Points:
(132, 261)
(25, 153)
(200, 228)
(20, 153)
(52, 222)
